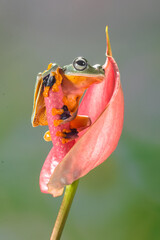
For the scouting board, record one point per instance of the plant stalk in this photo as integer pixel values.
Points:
(64, 210)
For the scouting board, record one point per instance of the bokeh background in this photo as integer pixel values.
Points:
(120, 199)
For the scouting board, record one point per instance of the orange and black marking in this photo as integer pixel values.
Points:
(68, 135)
(52, 80)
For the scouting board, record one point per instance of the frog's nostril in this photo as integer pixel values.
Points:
(63, 69)
(97, 66)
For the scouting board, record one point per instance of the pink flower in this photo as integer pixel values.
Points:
(104, 104)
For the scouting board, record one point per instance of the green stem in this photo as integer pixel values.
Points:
(64, 210)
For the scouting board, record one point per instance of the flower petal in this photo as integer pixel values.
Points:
(98, 97)
(104, 103)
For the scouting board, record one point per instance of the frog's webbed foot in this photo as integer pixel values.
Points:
(52, 80)
(68, 135)
(65, 115)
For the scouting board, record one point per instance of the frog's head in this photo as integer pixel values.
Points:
(81, 74)
(76, 77)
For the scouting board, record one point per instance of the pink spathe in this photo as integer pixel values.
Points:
(104, 104)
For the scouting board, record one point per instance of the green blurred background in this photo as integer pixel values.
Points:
(120, 199)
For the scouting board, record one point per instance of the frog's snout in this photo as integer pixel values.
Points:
(63, 69)
(98, 67)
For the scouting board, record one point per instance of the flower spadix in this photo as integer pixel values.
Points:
(103, 103)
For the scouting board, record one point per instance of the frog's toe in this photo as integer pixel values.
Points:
(58, 77)
(57, 122)
(46, 91)
(47, 136)
(56, 111)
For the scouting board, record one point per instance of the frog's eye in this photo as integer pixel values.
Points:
(80, 63)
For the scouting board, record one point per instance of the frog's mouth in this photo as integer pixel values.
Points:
(81, 81)
(84, 77)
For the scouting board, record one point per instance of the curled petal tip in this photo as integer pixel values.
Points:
(108, 50)
(55, 192)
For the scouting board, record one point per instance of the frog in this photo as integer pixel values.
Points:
(74, 79)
